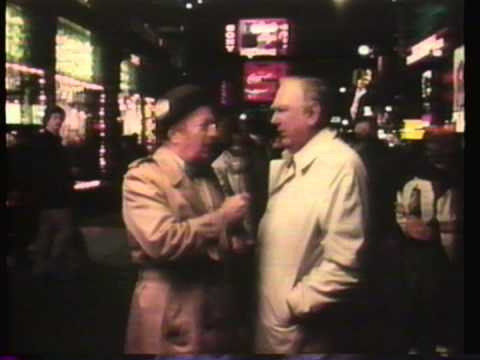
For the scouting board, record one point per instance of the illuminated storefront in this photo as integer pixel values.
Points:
(83, 99)
(137, 112)
(25, 85)
(129, 100)
(150, 124)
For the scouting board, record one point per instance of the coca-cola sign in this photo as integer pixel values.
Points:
(261, 80)
(257, 78)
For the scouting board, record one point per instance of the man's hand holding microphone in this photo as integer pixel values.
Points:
(234, 211)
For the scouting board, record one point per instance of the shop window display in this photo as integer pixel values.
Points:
(82, 98)
(16, 34)
(136, 110)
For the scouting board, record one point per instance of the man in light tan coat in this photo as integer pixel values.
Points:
(313, 233)
(178, 224)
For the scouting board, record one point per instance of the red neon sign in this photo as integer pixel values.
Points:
(261, 80)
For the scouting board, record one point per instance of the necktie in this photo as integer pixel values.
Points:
(289, 161)
(198, 172)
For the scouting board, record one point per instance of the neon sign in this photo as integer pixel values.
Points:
(431, 46)
(261, 80)
(230, 37)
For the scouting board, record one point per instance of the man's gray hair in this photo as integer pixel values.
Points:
(317, 91)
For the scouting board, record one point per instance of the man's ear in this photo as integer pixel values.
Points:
(173, 135)
(315, 115)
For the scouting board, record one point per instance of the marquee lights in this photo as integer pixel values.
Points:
(102, 150)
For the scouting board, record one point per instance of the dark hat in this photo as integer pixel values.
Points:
(182, 101)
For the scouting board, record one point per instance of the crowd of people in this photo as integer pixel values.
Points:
(317, 245)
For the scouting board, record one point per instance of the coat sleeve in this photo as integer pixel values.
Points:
(343, 221)
(152, 224)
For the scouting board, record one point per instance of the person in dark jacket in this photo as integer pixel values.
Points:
(430, 212)
(52, 187)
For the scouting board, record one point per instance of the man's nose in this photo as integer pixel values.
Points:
(213, 132)
(274, 119)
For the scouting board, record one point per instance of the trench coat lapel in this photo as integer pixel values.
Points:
(280, 174)
(187, 188)
(179, 180)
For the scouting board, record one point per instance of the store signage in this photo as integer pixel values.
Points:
(263, 37)
(230, 37)
(431, 46)
(261, 80)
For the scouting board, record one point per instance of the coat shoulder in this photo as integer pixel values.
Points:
(143, 168)
(139, 162)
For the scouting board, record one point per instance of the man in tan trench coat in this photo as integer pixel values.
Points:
(178, 225)
(313, 233)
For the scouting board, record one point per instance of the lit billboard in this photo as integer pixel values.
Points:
(263, 37)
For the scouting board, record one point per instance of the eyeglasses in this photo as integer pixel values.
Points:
(205, 127)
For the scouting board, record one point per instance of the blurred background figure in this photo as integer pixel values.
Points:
(429, 211)
(243, 167)
(52, 187)
(362, 83)
(20, 203)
